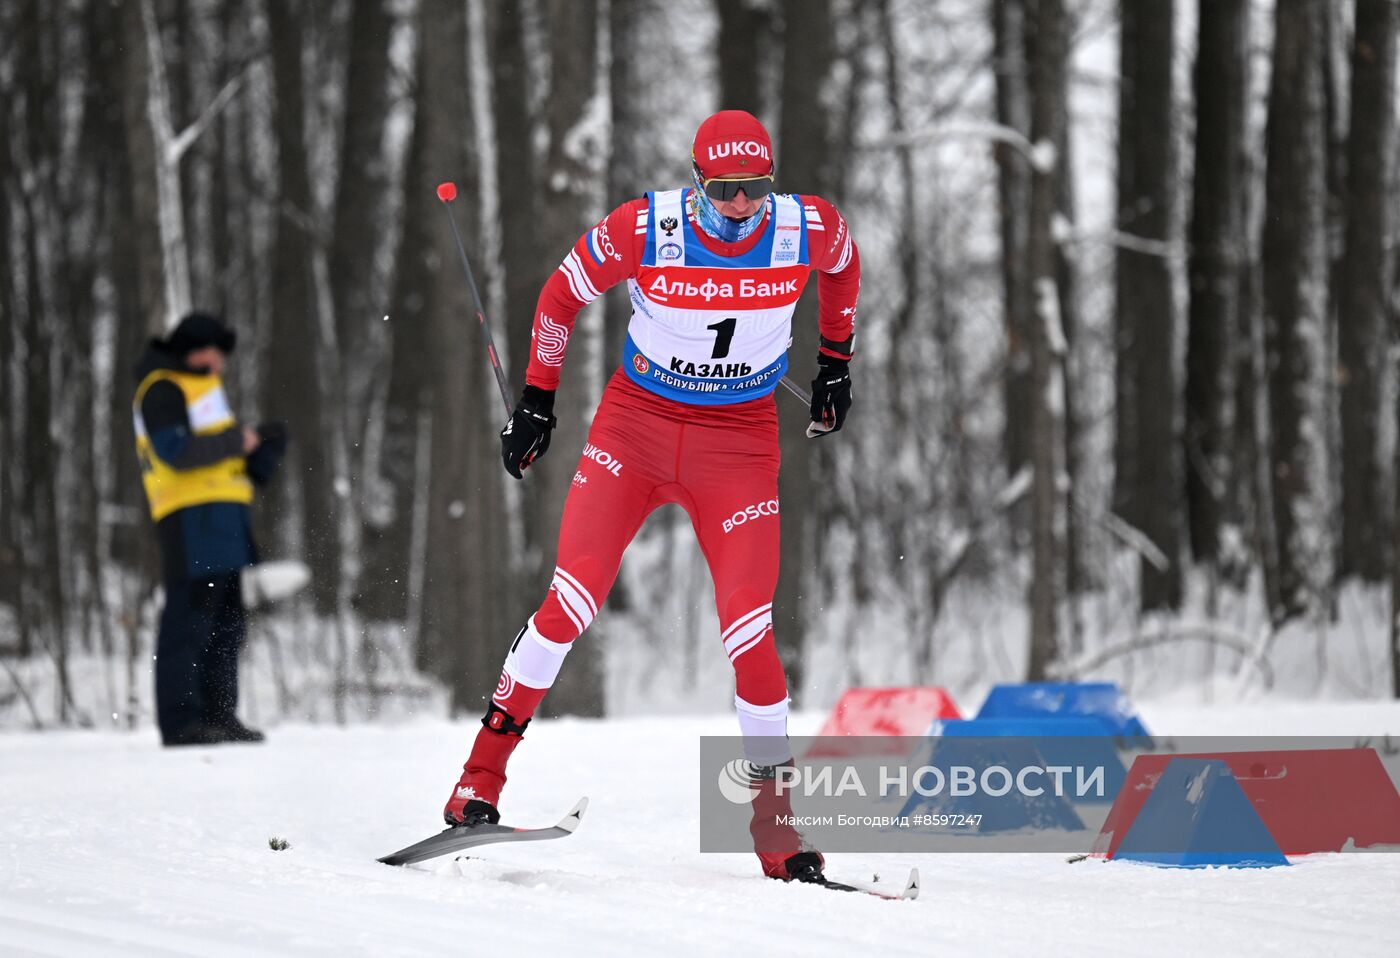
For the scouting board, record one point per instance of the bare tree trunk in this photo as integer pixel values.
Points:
(1395, 523)
(385, 585)
(234, 214)
(916, 314)
(295, 389)
(196, 65)
(869, 567)
(1067, 281)
(464, 625)
(142, 158)
(82, 218)
(1013, 104)
(133, 255)
(1126, 321)
(360, 206)
(1295, 304)
(525, 265)
(802, 150)
(1254, 495)
(1218, 247)
(1365, 288)
(360, 213)
(525, 262)
(11, 562)
(1395, 566)
(1048, 113)
(225, 202)
(43, 601)
(906, 309)
(1395, 598)
(166, 168)
(45, 589)
(568, 195)
(1148, 489)
(624, 178)
(1250, 504)
(1336, 70)
(745, 38)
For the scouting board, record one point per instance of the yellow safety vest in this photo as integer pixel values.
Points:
(170, 489)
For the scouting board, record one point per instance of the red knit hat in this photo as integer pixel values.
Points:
(732, 143)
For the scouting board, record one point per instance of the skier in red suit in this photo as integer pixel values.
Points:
(714, 272)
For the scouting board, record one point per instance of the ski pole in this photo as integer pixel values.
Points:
(813, 429)
(797, 391)
(447, 192)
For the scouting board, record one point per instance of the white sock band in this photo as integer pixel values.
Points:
(534, 660)
(764, 728)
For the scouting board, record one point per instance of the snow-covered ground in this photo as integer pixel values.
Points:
(111, 845)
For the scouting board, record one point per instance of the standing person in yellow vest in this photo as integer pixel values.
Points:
(199, 467)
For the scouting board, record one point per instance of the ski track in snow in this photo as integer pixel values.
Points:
(110, 845)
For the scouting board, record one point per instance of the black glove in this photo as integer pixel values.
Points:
(831, 396)
(526, 437)
(265, 459)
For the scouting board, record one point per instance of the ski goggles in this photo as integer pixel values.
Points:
(724, 190)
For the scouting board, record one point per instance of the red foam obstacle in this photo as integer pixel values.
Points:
(902, 711)
(1311, 800)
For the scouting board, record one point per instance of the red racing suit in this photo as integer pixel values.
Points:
(689, 419)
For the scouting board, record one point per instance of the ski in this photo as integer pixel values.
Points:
(910, 892)
(460, 837)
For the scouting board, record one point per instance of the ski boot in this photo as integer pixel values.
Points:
(473, 813)
(477, 793)
(803, 867)
(782, 851)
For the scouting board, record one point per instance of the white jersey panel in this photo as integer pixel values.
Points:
(710, 328)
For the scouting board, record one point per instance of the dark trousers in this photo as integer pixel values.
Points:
(201, 633)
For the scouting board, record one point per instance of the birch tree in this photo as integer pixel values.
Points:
(1048, 116)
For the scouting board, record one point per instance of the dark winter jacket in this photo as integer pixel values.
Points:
(211, 537)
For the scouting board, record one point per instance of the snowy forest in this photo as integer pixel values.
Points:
(1125, 380)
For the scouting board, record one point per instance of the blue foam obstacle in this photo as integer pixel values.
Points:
(1103, 700)
(999, 813)
(1080, 741)
(1197, 816)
